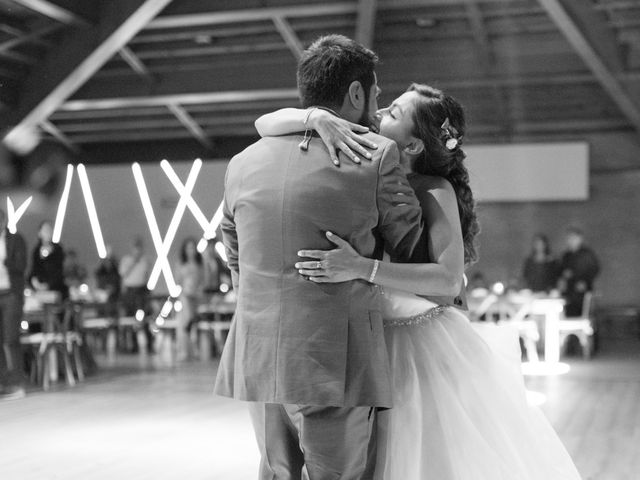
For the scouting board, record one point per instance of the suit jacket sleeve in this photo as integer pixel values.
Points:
(229, 234)
(400, 215)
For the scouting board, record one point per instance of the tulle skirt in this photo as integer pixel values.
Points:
(460, 408)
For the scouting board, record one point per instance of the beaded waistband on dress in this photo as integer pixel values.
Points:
(419, 319)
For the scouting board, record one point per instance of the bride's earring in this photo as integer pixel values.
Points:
(414, 147)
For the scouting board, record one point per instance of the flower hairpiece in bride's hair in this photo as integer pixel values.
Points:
(450, 135)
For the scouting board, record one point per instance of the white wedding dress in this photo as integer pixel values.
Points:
(460, 409)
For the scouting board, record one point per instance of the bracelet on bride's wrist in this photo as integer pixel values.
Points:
(376, 263)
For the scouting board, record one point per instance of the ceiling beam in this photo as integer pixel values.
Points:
(166, 133)
(205, 121)
(75, 61)
(28, 38)
(617, 5)
(55, 132)
(190, 124)
(291, 11)
(289, 35)
(18, 57)
(479, 31)
(292, 93)
(211, 50)
(248, 15)
(488, 61)
(54, 11)
(366, 22)
(135, 63)
(481, 130)
(180, 99)
(275, 94)
(587, 32)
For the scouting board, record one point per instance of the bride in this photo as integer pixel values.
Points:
(460, 409)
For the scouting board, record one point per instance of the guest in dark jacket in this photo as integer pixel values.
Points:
(541, 270)
(13, 262)
(47, 263)
(579, 267)
(75, 273)
(108, 279)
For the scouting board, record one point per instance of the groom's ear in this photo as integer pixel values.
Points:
(356, 95)
(415, 147)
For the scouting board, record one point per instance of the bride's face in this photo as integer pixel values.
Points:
(396, 121)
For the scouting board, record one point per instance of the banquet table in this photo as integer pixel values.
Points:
(516, 306)
(57, 317)
(214, 317)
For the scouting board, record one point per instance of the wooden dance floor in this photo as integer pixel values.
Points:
(140, 418)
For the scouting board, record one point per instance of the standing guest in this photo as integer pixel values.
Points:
(134, 271)
(216, 271)
(108, 279)
(75, 273)
(477, 281)
(190, 276)
(579, 267)
(13, 263)
(47, 263)
(541, 270)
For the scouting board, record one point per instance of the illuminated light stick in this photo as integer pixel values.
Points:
(208, 227)
(221, 251)
(13, 216)
(153, 228)
(202, 245)
(10, 216)
(181, 189)
(62, 206)
(165, 245)
(210, 232)
(91, 209)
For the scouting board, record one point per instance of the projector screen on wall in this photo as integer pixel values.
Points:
(529, 172)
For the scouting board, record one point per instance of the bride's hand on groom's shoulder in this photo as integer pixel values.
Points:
(340, 135)
(333, 266)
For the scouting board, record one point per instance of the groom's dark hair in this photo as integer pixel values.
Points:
(329, 66)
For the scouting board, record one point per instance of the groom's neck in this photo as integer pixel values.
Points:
(349, 113)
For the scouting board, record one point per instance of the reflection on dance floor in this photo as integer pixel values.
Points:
(142, 417)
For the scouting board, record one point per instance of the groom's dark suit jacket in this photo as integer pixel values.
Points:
(294, 341)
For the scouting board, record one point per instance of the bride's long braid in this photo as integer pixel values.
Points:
(440, 124)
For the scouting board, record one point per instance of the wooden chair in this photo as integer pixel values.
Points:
(59, 338)
(214, 320)
(582, 327)
(99, 324)
(513, 310)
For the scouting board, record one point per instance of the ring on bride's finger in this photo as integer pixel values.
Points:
(318, 265)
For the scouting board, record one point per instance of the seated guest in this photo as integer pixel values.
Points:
(75, 273)
(13, 263)
(134, 271)
(477, 281)
(214, 268)
(108, 279)
(541, 270)
(579, 267)
(189, 275)
(47, 263)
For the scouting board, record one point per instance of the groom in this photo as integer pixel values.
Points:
(311, 357)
